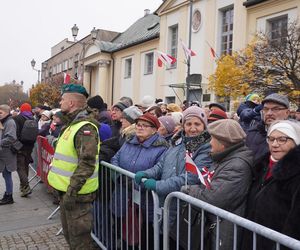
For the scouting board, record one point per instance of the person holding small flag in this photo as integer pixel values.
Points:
(169, 174)
(229, 186)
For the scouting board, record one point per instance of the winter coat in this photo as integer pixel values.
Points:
(276, 204)
(170, 171)
(256, 141)
(248, 116)
(8, 159)
(135, 156)
(230, 185)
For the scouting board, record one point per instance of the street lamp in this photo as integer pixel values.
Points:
(33, 62)
(84, 43)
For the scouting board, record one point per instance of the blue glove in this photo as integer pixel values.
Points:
(138, 177)
(150, 184)
(258, 108)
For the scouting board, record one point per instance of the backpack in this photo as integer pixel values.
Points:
(29, 131)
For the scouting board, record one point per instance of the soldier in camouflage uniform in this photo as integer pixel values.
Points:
(74, 168)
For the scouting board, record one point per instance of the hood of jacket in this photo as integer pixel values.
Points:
(288, 166)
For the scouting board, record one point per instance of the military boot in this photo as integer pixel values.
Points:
(7, 199)
(26, 191)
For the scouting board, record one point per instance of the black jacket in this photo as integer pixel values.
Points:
(276, 204)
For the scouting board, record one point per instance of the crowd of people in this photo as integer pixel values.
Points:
(254, 156)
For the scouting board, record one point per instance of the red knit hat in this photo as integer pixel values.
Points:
(25, 107)
(150, 118)
(217, 114)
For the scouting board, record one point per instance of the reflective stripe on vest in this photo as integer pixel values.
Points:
(65, 162)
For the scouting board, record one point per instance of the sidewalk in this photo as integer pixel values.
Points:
(24, 224)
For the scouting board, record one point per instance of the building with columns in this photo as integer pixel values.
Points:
(124, 64)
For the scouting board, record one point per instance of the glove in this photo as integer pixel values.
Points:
(258, 108)
(138, 177)
(150, 184)
(185, 189)
(69, 202)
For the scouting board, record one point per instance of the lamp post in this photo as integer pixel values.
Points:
(93, 33)
(33, 62)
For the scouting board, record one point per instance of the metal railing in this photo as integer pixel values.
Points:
(256, 229)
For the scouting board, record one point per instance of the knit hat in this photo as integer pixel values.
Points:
(168, 123)
(47, 113)
(120, 105)
(251, 97)
(195, 111)
(177, 117)
(172, 107)
(280, 99)
(147, 101)
(218, 105)
(96, 102)
(289, 128)
(132, 113)
(25, 107)
(216, 114)
(149, 118)
(227, 130)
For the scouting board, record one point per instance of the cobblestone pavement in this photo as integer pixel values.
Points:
(34, 238)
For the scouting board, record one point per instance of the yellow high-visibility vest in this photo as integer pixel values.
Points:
(65, 162)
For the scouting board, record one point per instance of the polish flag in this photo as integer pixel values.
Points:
(187, 52)
(67, 78)
(204, 177)
(165, 59)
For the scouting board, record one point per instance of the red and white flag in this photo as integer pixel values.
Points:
(204, 177)
(67, 78)
(165, 59)
(187, 52)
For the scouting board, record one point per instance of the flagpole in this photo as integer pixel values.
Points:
(189, 58)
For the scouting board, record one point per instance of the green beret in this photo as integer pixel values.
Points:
(74, 88)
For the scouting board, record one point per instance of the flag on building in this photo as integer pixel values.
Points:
(187, 52)
(165, 59)
(204, 176)
(67, 78)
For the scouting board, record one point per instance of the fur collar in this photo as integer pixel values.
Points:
(288, 166)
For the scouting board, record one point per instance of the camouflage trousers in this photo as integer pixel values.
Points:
(77, 225)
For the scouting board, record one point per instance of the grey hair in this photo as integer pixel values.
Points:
(5, 108)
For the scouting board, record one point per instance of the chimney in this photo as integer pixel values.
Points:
(146, 12)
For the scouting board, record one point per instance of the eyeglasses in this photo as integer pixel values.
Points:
(273, 110)
(280, 140)
(139, 125)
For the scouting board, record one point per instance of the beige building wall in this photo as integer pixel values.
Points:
(131, 87)
(257, 15)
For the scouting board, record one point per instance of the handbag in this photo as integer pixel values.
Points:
(195, 225)
(133, 224)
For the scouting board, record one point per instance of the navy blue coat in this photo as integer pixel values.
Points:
(135, 156)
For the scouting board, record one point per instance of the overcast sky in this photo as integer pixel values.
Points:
(29, 28)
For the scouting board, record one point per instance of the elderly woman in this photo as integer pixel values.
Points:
(8, 159)
(169, 174)
(231, 181)
(275, 195)
(139, 153)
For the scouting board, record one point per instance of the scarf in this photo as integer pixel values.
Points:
(193, 143)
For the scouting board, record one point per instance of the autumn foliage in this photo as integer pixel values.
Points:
(45, 93)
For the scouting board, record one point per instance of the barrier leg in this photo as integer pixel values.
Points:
(33, 177)
(60, 231)
(53, 213)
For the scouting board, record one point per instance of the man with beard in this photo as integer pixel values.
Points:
(275, 107)
(74, 168)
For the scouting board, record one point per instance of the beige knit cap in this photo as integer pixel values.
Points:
(227, 130)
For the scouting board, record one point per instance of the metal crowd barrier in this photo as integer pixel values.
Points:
(125, 221)
(237, 221)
